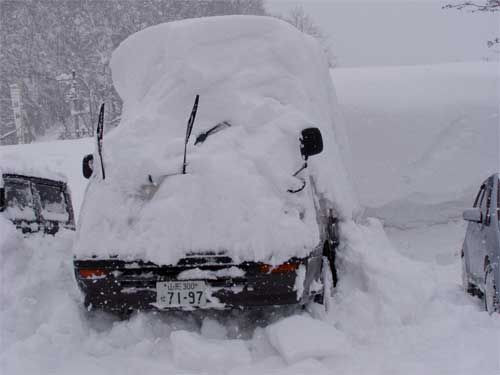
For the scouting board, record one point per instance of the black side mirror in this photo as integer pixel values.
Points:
(311, 142)
(88, 165)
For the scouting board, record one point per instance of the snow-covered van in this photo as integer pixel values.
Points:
(243, 213)
(33, 202)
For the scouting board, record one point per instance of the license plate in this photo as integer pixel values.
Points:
(180, 293)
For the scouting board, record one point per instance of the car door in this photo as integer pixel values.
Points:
(483, 233)
(472, 239)
(491, 232)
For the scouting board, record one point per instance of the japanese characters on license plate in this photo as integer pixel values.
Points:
(180, 293)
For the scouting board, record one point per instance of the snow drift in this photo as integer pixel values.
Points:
(265, 78)
(423, 138)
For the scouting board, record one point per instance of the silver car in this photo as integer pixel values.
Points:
(481, 248)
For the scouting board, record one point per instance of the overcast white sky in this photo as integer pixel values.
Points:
(403, 32)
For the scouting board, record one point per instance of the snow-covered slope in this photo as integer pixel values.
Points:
(265, 78)
(423, 138)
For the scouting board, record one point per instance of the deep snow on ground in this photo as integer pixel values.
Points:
(399, 307)
(391, 314)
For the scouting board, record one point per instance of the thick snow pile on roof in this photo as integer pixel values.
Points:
(15, 164)
(266, 79)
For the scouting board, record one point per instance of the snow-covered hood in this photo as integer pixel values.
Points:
(266, 79)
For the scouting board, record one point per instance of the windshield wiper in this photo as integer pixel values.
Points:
(220, 126)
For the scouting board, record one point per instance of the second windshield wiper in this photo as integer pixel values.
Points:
(220, 126)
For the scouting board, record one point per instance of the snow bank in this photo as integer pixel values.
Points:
(265, 78)
(423, 138)
(379, 286)
(36, 280)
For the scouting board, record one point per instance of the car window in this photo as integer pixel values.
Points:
(19, 200)
(52, 202)
(479, 196)
(486, 204)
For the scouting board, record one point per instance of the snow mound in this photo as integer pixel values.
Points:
(379, 286)
(35, 273)
(301, 337)
(266, 79)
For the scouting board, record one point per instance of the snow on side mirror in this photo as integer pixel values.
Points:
(88, 165)
(474, 215)
(311, 142)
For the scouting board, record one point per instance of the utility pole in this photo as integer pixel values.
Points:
(73, 97)
(15, 97)
(79, 127)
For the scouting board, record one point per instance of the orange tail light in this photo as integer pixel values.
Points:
(89, 273)
(282, 268)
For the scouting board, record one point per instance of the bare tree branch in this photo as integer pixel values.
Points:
(489, 6)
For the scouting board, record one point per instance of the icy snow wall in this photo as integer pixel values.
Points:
(265, 78)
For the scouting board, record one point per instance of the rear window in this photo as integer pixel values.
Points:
(52, 202)
(34, 201)
(19, 200)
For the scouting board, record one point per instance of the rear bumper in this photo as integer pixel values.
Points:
(124, 289)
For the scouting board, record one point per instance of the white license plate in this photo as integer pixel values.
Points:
(180, 293)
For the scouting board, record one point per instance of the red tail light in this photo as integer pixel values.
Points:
(87, 273)
(282, 268)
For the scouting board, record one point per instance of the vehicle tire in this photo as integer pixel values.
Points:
(491, 302)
